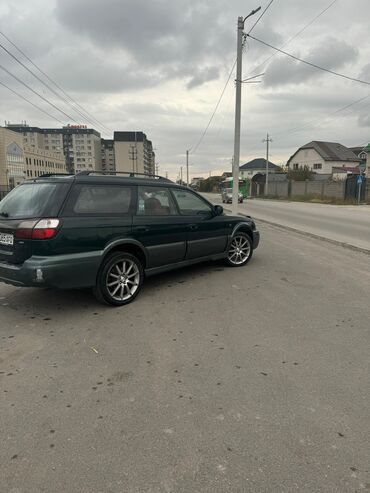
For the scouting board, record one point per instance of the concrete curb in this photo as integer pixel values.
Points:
(309, 235)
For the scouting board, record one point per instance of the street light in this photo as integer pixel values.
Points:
(238, 96)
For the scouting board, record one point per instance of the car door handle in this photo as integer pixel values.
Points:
(193, 226)
(142, 229)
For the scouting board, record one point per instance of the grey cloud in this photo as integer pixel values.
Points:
(203, 75)
(365, 73)
(162, 34)
(331, 53)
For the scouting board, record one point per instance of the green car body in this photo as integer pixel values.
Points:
(79, 221)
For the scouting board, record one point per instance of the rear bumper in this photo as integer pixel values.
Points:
(61, 271)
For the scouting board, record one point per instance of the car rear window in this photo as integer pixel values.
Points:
(32, 200)
(99, 199)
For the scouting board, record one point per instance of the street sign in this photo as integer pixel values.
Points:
(359, 180)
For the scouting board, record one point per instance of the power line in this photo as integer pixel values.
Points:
(30, 102)
(69, 99)
(35, 92)
(260, 17)
(343, 76)
(295, 35)
(309, 124)
(30, 71)
(194, 148)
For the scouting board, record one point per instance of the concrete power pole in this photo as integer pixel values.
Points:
(187, 168)
(238, 96)
(239, 54)
(267, 140)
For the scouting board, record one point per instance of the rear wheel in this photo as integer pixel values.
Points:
(119, 280)
(240, 251)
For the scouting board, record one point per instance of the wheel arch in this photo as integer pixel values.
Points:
(243, 227)
(130, 246)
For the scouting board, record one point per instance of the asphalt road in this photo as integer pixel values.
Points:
(347, 224)
(215, 380)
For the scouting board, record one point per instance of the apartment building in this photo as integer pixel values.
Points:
(40, 161)
(12, 162)
(134, 152)
(80, 146)
(108, 161)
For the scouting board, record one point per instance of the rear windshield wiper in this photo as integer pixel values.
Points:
(4, 214)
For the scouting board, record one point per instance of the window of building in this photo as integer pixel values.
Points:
(155, 201)
(295, 166)
(317, 166)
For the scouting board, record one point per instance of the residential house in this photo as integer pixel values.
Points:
(322, 157)
(363, 153)
(258, 165)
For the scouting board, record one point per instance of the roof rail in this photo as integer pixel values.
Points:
(130, 174)
(48, 175)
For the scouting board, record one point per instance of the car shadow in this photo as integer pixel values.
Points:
(38, 301)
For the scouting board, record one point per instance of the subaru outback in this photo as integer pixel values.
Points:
(109, 232)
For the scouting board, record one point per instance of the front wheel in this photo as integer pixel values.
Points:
(240, 250)
(119, 280)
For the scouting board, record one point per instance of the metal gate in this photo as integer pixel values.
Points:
(353, 189)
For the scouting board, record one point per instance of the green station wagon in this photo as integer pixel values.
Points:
(110, 231)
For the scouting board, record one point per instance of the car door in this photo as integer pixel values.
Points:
(159, 227)
(95, 215)
(207, 232)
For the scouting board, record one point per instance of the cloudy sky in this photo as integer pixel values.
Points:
(160, 65)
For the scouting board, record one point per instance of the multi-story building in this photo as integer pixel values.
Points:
(40, 161)
(134, 152)
(19, 161)
(12, 162)
(80, 145)
(108, 162)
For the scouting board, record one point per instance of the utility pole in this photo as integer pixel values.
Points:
(238, 96)
(239, 54)
(267, 140)
(187, 168)
(180, 175)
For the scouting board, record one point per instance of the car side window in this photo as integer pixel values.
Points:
(190, 204)
(100, 199)
(155, 201)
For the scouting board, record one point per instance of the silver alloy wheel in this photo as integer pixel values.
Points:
(240, 250)
(123, 280)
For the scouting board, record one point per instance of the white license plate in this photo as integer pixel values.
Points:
(6, 239)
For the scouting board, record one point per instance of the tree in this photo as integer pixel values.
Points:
(301, 174)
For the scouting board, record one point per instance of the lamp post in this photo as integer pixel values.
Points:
(239, 50)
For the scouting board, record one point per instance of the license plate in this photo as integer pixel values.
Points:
(6, 239)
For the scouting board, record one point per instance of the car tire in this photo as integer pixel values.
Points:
(240, 250)
(119, 279)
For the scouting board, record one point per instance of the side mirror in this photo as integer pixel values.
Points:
(219, 210)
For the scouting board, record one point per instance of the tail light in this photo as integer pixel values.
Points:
(42, 230)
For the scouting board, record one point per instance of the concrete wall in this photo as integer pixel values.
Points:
(279, 188)
(321, 189)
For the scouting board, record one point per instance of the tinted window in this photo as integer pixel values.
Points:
(155, 201)
(190, 204)
(89, 199)
(32, 200)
